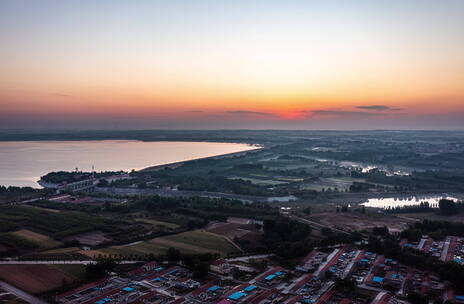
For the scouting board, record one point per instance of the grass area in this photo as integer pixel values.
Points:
(157, 223)
(202, 239)
(190, 242)
(12, 240)
(142, 248)
(40, 239)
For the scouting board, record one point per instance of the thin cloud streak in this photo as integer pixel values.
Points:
(341, 113)
(246, 113)
(378, 108)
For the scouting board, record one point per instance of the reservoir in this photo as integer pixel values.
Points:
(22, 163)
(404, 201)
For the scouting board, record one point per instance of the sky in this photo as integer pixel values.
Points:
(217, 64)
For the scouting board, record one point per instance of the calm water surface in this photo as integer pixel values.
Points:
(404, 201)
(23, 162)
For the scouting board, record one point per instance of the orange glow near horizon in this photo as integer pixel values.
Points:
(234, 62)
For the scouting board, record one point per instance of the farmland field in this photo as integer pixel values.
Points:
(142, 248)
(341, 183)
(76, 271)
(40, 239)
(202, 239)
(34, 278)
(187, 242)
(229, 230)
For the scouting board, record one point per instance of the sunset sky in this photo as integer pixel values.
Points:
(345, 64)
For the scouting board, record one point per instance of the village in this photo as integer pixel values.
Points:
(342, 275)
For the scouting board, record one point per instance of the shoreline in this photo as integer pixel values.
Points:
(180, 163)
(247, 147)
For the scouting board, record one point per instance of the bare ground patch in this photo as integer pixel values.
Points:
(40, 239)
(92, 238)
(357, 221)
(34, 278)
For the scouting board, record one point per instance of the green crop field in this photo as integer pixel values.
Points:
(202, 239)
(190, 242)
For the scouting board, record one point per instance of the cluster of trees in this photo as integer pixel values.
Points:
(14, 189)
(203, 208)
(450, 207)
(99, 270)
(74, 176)
(11, 193)
(361, 187)
(446, 207)
(435, 229)
(383, 231)
(6, 226)
(289, 239)
(198, 263)
(224, 184)
(422, 207)
(332, 237)
(65, 176)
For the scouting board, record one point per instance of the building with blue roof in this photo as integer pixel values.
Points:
(378, 280)
(128, 289)
(250, 288)
(278, 273)
(213, 288)
(270, 277)
(237, 295)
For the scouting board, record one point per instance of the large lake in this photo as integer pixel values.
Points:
(23, 162)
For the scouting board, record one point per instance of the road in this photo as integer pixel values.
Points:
(248, 258)
(21, 294)
(185, 193)
(77, 262)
